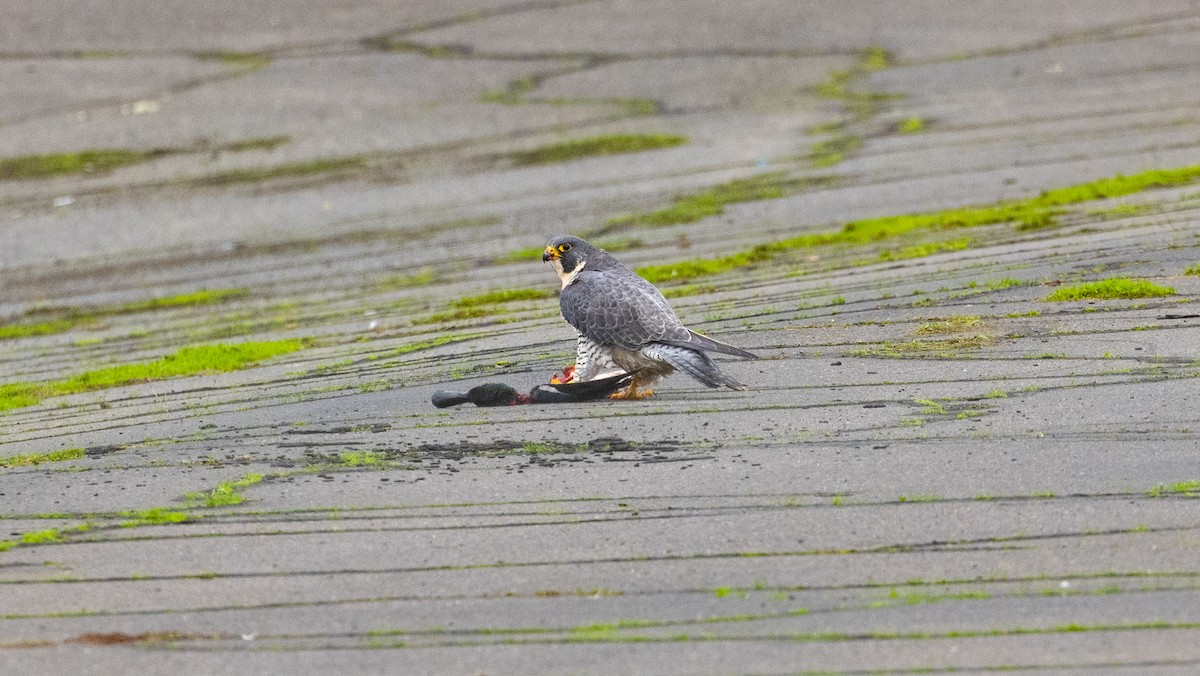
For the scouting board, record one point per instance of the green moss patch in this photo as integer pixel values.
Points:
(361, 458)
(833, 150)
(689, 290)
(857, 105)
(615, 144)
(941, 347)
(48, 536)
(26, 330)
(1004, 283)
(205, 297)
(514, 94)
(458, 314)
(41, 536)
(956, 324)
(317, 167)
(692, 207)
(923, 250)
(427, 344)
(104, 160)
(1120, 185)
(204, 359)
(875, 58)
(155, 516)
(517, 92)
(484, 305)
(1193, 270)
(1190, 488)
(501, 296)
(69, 318)
(422, 278)
(1120, 211)
(26, 459)
(703, 267)
(250, 61)
(29, 167)
(839, 87)
(1113, 288)
(1032, 213)
(257, 143)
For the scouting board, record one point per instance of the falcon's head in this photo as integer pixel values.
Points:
(568, 255)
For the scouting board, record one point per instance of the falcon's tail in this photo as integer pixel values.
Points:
(699, 341)
(694, 363)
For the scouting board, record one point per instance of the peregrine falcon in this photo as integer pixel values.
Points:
(625, 323)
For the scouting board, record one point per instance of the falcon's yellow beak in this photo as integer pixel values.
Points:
(550, 254)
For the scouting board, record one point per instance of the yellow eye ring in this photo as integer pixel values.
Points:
(564, 247)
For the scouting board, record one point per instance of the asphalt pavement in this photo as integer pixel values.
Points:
(945, 461)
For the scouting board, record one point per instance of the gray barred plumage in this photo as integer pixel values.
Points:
(593, 360)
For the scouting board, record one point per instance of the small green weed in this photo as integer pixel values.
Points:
(955, 324)
(361, 458)
(912, 125)
(24, 459)
(1005, 283)
(1190, 488)
(225, 493)
(931, 407)
(514, 94)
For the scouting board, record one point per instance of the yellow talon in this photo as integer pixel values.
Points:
(631, 392)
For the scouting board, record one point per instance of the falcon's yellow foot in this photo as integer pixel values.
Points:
(632, 393)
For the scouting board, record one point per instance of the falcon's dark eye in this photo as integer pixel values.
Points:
(564, 247)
